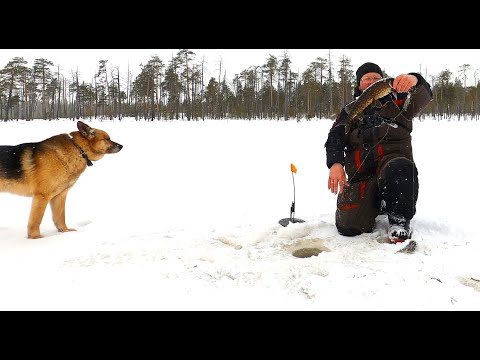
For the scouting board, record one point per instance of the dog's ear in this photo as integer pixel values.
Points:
(86, 131)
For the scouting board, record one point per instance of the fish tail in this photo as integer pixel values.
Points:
(347, 128)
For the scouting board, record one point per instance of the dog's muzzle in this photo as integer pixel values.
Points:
(114, 148)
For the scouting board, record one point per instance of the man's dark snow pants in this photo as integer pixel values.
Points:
(359, 204)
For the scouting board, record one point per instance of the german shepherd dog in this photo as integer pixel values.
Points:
(48, 169)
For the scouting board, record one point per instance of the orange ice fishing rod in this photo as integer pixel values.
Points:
(292, 218)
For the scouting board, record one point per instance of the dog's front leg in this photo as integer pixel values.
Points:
(39, 204)
(57, 204)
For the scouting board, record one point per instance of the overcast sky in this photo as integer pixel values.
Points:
(393, 61)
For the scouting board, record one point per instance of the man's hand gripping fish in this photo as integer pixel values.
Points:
(371, 94)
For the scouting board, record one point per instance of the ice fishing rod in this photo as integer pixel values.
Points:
(292, 219)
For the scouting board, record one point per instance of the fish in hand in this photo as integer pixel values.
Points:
(369, 96)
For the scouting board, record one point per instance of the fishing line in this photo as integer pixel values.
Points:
(365, 158)
(413, 168)
(383, 137)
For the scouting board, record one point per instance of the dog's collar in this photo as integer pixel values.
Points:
(82, 152)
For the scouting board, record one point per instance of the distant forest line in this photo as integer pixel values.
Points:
(178, 89)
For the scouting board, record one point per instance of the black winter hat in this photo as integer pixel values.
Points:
(366, 68)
